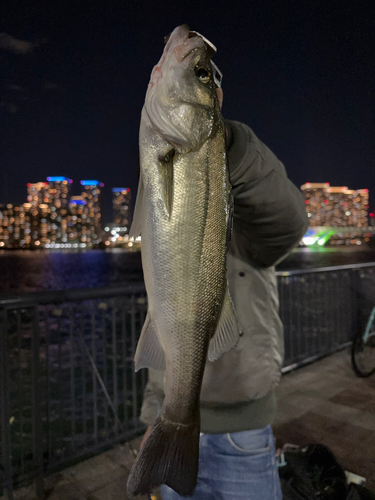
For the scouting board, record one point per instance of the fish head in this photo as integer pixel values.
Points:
(181, 99)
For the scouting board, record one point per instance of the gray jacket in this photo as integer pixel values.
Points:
(269, 220)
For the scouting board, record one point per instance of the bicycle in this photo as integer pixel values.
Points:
(363, 349)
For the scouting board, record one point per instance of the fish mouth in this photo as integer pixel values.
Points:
(186, 54)
(183, 28)
(187, 47)
(183, 42)
(209, 45)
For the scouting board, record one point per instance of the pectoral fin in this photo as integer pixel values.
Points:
(226, 335)
(136, 226)
(166, 179)
(149, 353)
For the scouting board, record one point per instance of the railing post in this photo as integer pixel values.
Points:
(358, 303)
(36, 409)
(6, 448)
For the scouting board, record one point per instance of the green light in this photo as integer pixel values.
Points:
(323, 237)
(318, 239)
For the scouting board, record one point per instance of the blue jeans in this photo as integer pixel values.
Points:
(236, 466)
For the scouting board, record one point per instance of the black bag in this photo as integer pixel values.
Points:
(357, 492)
(312, 473)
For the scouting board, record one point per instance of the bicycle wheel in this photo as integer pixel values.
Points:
(363, 355)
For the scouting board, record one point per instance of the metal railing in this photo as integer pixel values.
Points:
(322, 309)
(67, 382)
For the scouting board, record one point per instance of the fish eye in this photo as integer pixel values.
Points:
(203, 75)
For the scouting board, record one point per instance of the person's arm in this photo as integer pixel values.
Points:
(269, 210)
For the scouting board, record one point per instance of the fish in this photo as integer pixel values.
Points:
(183, 213)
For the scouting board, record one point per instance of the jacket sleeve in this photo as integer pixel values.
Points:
(269, 210)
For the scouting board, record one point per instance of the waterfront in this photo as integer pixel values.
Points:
(79, 342)
(309, 258)
(69, 364)
(27, 271)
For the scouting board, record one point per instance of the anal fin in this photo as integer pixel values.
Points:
(226, 334)
(149, 353)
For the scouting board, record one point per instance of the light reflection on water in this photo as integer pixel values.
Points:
(27, 271)
(307, 258)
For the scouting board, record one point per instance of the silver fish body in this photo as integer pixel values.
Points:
(185, 212)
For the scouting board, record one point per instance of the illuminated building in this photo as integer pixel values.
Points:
(7, 220)
(19, 226)
(52, 218)
(121, 200)
(56, 211)
(37, 193)
(361, 206)
(58, 191)
(91, 216)
(335, 206)
(116, 234)
(38, 209)
(77, 206)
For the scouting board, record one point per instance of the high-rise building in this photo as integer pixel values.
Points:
(58, 191)
(77, 207)
(19, 226)
(361, 206)
(121, 200)
(7, 223)
(38, 208)
(52, 218)
(335, 206)
(37, 193)
(91, 216)
(57, 209)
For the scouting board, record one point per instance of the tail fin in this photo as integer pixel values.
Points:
(169, 456)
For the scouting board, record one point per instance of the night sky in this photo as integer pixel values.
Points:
(73, 77)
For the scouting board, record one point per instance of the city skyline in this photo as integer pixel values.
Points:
(337, 215)
(72, 186)
(51, 217)
(336, 206)
(371, 208)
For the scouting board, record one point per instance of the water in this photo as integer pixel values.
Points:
(306, 258)
(27, 271)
